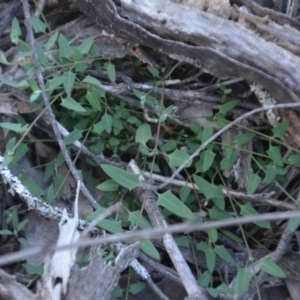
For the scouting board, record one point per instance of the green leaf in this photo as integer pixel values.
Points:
(178, 157)
(50, 197)
(182, 241)
(148, 248)
(212, 234)
(280, 129)
(38, 25)
(122, 177)
(111, 225)
(184, 193)
(21, 225)
(69, 81)
(207, 133)
(253, 183)
(174, 205)
(143, 134)
(271, 173)
(71, 104)
(138, 220)
(111, 72)
(232, 236)
(210, 259)
(275, 155)
(248, 210)
(91, 80)
(294, 224)
(170, 145)
(93, 99)
(3, 59)
(108, 186)
(270, 267)
(135, 288)
(38, 270)
(80, 64)
(33, 187)
(294, 159)
(50, 43)
(154, 72)
(64, 48)
(85, 47)
(216, 213)
(18, 128)
(42, 58)
(224, 254)
(19, 85)
(243, 280)
(6, 232)
(74, 136)
(208, 160)
(54, 83)
(205, 279)
(244, 138)
(225, 108)
(210, 191)
(107, 122)
(15, 31)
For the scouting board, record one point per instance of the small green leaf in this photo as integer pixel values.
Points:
(93, 100)
(50, 43)
(80, 64)
(38, 25)
(154, 72)
(208, 160)
(182, 241)
(210, 259)
(111, 72)
(184, 193)
(136, 288)
(138, 220)
(22, 224)
(178, 157)
(91, 80)
(108, 186)
(212, 234)
(270, 267)
(271, 173)
(143, 134)
(3, 59)
(207, 133)
(111, 225)
(253, 183)
(205, 279)
(224, 254)
(244, 138)
(64, 48)
(69, 81)
(6, 232)
(148, 248)
(174, 205)
(98, 128)
(74, 136)
(280, 129)
(294, 224)
(107, 122)
(294, 159)
(216, 213)
(18, 128)
(243, 280)
(33, 187)
(170, 145)
(71, 104)
(275, 155)
(85, 47)
(54, 83)
(19, 85)
(232, 236)
(122, 177)
(248, 210)
(225, 108)
(15, 31)
(38, 270)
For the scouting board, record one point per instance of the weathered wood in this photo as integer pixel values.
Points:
(223, 47)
